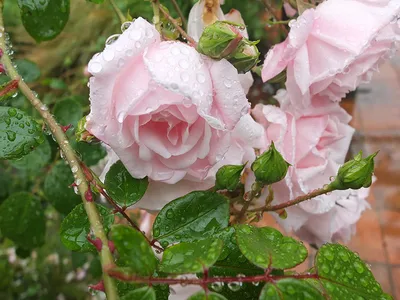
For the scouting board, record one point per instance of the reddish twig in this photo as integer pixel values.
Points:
(12, 85)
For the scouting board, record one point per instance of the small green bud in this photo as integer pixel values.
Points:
(246, 56)
(220, 39)
(270, 167)
(81, 134)
(168, 30)
(355, 174)
(228, 177)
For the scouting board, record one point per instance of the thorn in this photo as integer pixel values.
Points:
(65, 128)
(98, 286)
(96, 242)
(72, 185)
(2, 70)
(89, 195)
(111, 246)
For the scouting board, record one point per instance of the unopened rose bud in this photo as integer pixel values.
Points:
(355, 174)
(270, 167)
(220, 39)
(82, 135)
(228, 177)
(246, 56)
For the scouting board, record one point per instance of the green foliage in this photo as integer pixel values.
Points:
(134, 251)
(194, 216)
(122, 187)
(290, 288)
(344, 275)
(68, 111)
(35, 160)
(267, 247)
(75, 228)
(22, 220)
(19, 133)
(228, 177)
(57, 190)
(144, 293)
(191, 257)
(210, 296)
(29, 71)
(44, 19)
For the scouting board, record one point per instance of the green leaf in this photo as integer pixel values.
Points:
(22, 220)
(267, 247)
(210, 296)
(35, 160)
(44, 19)
(57, 190)
(191, 257)
(144, 293)
(6, 272)
(134, 251)
(122, 187)
(290, 288)
(192, 217)
(68, 111)
(91, 153)
(19, 133)
(76, 226)
(29, 71)
(162, 291)
(344, 275)
(97, 1)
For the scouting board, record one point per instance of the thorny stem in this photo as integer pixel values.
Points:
(179, 11)
(272, 12)
(248, 198)
(176, 25)
(205, 280)
(118, 11)
(295, 201)
(70, 156)
(92, 180)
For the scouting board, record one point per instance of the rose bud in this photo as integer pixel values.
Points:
(246, 57)
(228, 177)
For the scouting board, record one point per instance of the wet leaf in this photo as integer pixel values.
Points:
(122, 187)
(192, 217)
(28, 70)
(267, 247)
(135, 253)
(35, 160)
(75, 228)
(91, 153)
(44, 19)
(144, 293)
(19, 133)
(191, 257)
(68, 111)
(290, 288)
(22, 220)
(345, 275)
(57, 190)
(210, 296)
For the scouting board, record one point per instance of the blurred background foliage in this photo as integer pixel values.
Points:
(56, 70)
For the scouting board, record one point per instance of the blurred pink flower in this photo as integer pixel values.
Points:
(167, 112)
(333, 48)
(315, 144)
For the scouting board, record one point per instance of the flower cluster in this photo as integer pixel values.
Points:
(176, 116)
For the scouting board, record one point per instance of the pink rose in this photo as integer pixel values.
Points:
(315, 144)
(333, 48)
(196, 25)
(167, 112)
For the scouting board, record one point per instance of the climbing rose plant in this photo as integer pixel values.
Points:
(170, 132)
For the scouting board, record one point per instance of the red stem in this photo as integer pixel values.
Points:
(12, 85)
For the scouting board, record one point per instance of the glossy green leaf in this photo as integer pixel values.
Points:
(345, 275)
(267, 247)
(192, 217)
(91, 153)
(35, 160)
(144, 293)
(134, 251)
(191, 257)
(97, 1)
(210, 296)
(75, 228)
(289, 288)
(28, 70)
(44, 19)
(122, 187)
(22, 220)
(19, 133)
(57, 190)
(233, 263)
(162, 291)
(68, 111)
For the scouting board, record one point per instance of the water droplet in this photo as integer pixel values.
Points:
(184, 64)
(8, 121)
(95, 67)
(329, 255)
(200, 78)
(187, 102)
(111, 40)
(291, 290)
(184, 77)
(125, 26)
(135, 35)
(164, 244)
(234, 286)
(175, 50)
(74, 169)
(344, 256)
(108, 54)
(19, 116)
(170, 213)
(256, 283)
(138, 44)
(359, 267)
(12, 112)
(11, 135)
(156, 231)
(129, 52)
(149, 33)
(22, 125)
(325, 268)
(217, 286)
(228, 83)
